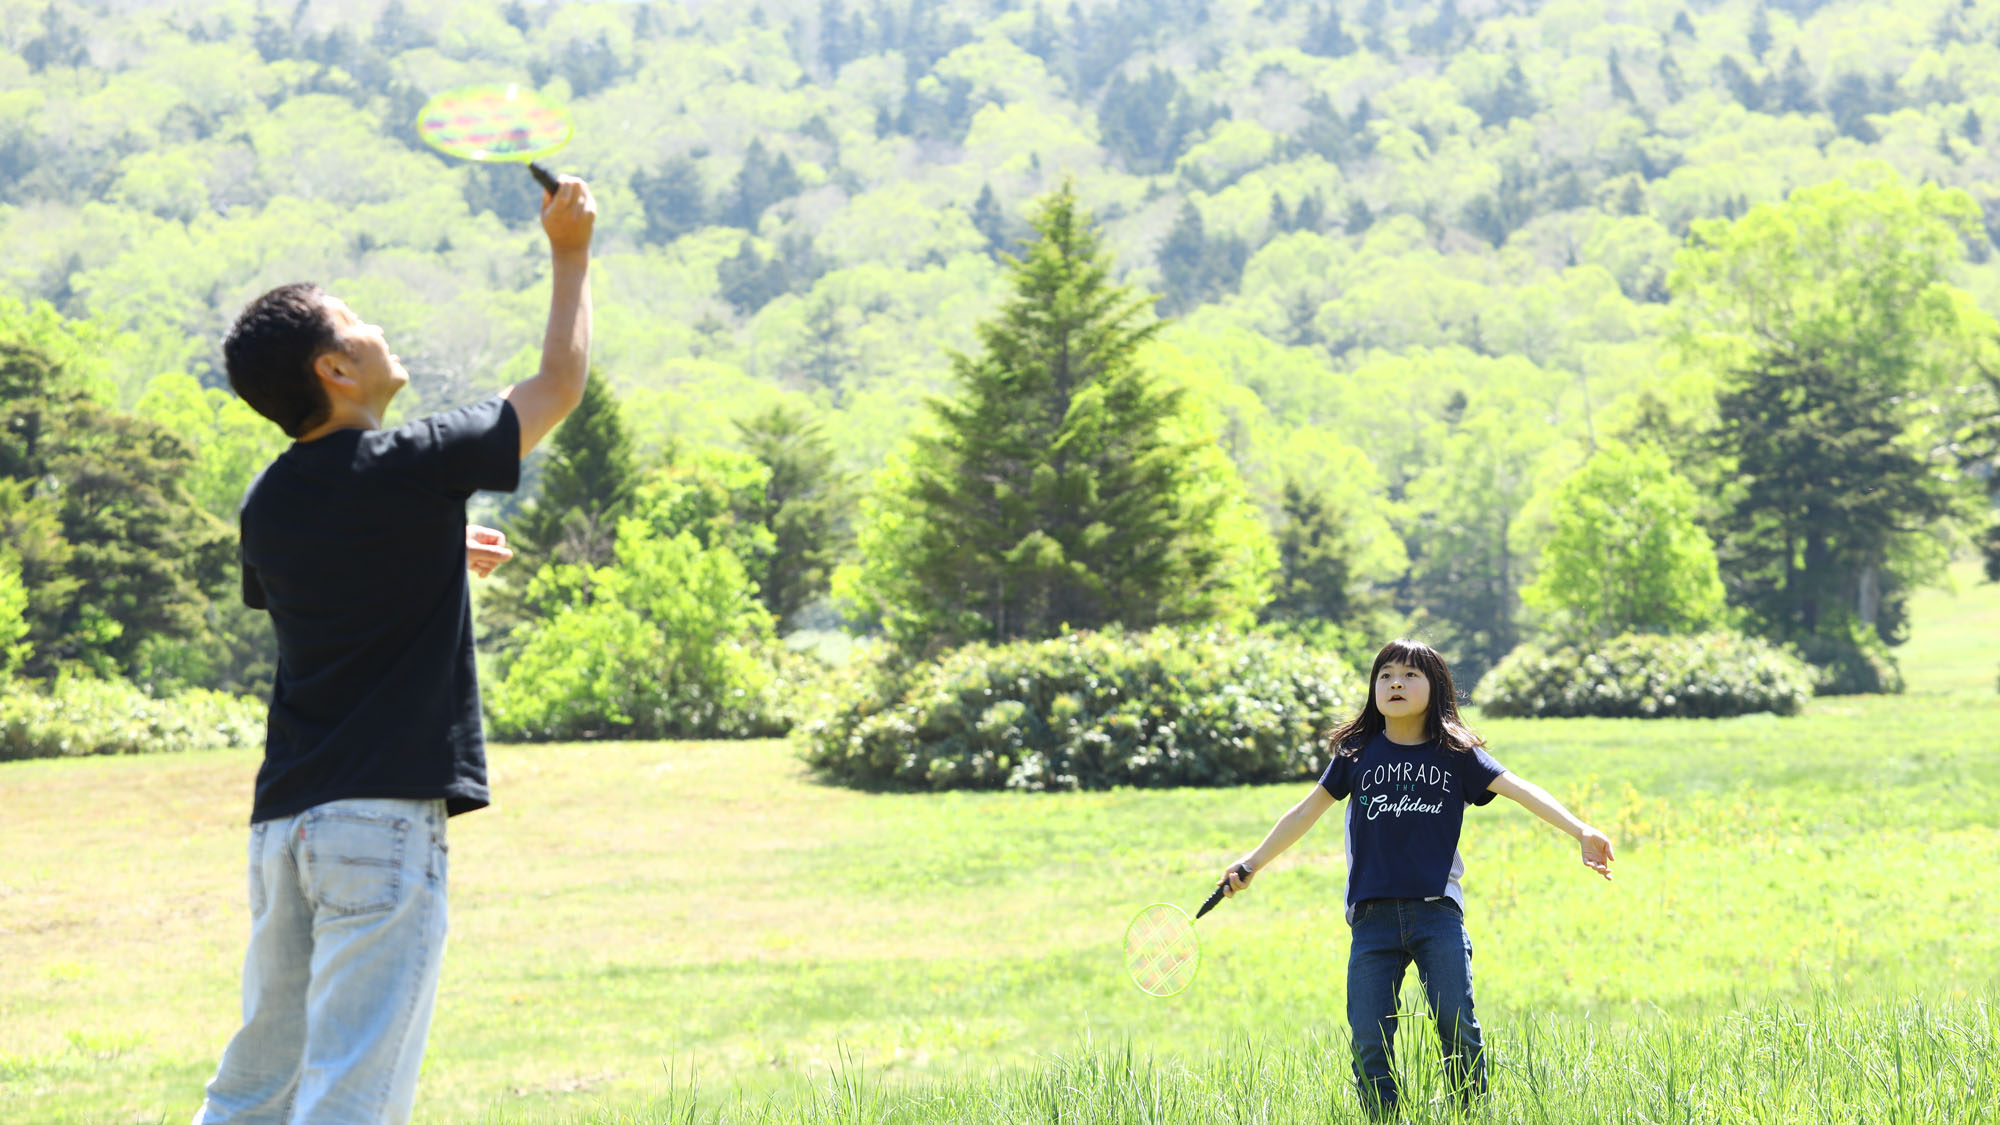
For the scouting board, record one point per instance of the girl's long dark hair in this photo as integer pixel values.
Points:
(1441, 722)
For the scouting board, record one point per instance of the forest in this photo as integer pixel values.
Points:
(1423, 300)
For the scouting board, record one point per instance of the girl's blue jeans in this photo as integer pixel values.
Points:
(1389, 935)
(347, 931)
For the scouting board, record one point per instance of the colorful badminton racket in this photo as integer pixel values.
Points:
(1162, 951)
(496, 123)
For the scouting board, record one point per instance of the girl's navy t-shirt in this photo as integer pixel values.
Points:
(355, 543)
(1408, 804)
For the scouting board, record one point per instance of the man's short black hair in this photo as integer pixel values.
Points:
(269, 355)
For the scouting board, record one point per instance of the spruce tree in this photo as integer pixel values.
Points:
(806, 508)
(586, 484)
(1314, 560)
(1826, 481)
(1055, 490)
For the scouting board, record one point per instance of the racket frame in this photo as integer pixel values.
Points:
(531, 158)
(1193, 935)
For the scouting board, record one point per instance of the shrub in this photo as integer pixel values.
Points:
(1083, 711)
(1649, 677)
(1850, 658)
(669, 643)
(77, 715)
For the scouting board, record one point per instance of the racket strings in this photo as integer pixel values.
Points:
(493, 123)
(1162, 952)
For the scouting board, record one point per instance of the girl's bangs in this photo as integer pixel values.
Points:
(1416, 654)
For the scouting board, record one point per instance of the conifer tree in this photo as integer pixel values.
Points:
(1058, 489)
(586, 484)
(806, 501)
(1314, 566)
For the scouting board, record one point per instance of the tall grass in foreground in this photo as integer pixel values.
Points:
(1906, 1063)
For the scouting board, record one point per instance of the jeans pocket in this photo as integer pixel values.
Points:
(355, 859)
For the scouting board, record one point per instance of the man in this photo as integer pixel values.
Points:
(355, 540)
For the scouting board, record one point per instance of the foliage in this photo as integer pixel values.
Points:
(669, 642)
(1315, 568)
(1849, 658)
(1627, 555)
(74, 715)
(13, 621)
(1064, 486)
(806, 508)
(584, 487)
(1645, 676)
(1083, 711)
(1382, 210)
(1832, 313)
(129, 555)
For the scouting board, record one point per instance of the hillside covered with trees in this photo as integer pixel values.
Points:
(1417, 264)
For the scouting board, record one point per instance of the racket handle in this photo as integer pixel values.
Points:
(543, 178)
(1239, 869)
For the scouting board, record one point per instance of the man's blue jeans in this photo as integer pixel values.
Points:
(1389, 934)
(347, 929)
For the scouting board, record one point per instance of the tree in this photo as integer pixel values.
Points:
(1628, 554)
(14, 648)
(587, 485)
(137, 556)
(668, 643)
(1759, 34)
(991, 222)
(749, 282)
(1063, 486)
(1315, 560)
(805, 508)
(674, 199)
(826, 353)
(1828, 315)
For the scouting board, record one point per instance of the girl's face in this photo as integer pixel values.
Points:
(1401, 690)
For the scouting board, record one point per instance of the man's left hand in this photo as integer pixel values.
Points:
(485, 549)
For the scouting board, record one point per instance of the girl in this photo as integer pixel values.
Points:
(1410, 766)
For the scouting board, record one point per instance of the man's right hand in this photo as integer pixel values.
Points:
(568, 216)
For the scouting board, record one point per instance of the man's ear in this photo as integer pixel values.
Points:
(330, 366)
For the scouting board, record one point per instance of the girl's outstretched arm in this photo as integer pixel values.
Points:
(1596, 845)
(1283, 835)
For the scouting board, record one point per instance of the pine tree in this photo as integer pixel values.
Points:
(1054, 490)
(674, 200)
(1314, 560)
(752, 190)
(1792, 88)
(807, 508)
(1759, 35)
(587, 483)
(114, 551)
(1184, 258)
(1825, 483)
(989, 220)
(1615, 75)
(827, 355)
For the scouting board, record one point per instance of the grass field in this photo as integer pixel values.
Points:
(1803, 927)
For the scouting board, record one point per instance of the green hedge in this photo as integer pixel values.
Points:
(1648, 677)
(1085, 711)
(76, 715)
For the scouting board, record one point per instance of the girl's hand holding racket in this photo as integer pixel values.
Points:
(568, 216)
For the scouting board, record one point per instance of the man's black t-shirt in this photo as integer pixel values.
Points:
(355, 543)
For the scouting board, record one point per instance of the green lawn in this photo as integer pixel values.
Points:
(628, 915)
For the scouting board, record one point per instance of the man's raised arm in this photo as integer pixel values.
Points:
(547, 399)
